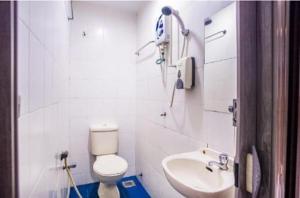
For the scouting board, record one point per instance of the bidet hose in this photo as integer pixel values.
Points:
(71, 180)
(68, 190)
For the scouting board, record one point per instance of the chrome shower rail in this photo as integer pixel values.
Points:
(141, 48)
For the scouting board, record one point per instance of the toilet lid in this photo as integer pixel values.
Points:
(110, 165)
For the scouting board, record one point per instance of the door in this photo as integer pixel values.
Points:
(263, 93)
(8, 166)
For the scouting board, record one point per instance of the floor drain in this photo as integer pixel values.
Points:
(128, 184)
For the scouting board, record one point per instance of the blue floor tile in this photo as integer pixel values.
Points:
(137, 191)
(86, 190)
(90, 190)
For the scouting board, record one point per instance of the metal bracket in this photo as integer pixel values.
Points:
(233, 109)
(19, 106)
(70, 166)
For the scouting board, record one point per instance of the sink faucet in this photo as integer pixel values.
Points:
(223, 162)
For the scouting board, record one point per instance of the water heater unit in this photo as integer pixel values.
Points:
(162, 30)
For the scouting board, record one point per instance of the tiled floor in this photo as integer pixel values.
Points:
(90, 190)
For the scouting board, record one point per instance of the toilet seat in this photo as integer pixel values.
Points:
(110, 165)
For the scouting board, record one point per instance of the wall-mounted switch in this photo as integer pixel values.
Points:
(233, 109)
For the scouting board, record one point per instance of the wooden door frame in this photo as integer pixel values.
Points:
(293, 134)
(246, 88)
(263, 35)
(8, 102)
(280, 96)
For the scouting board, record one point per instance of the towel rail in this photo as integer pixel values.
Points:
(141, 48)
(222, 32)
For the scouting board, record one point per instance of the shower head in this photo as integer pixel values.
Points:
(167, 11)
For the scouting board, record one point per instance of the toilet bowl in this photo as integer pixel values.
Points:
(108, 166)
(110, 169)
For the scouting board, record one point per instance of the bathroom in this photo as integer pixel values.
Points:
(138, 99)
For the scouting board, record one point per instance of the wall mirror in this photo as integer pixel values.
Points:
(220, 68)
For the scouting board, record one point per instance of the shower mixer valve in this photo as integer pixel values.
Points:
(185, 73)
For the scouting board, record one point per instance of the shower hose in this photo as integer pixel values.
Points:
(70, 180)
(181, 56)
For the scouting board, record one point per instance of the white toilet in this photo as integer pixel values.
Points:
(108, 166)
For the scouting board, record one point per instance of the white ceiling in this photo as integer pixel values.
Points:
(130, 6)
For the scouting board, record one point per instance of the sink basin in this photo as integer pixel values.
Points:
(189, 175)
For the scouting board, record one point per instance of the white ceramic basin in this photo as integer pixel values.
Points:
(187, 173)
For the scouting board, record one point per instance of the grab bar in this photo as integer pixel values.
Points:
(141, 48)
(214, 34)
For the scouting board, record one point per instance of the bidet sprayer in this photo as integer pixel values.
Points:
(168, 10)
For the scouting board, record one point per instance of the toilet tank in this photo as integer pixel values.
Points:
(104, 138)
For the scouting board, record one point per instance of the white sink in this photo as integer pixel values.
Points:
(187, 173)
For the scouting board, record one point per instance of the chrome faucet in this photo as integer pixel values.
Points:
(223, 162)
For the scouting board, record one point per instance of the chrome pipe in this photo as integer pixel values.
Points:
(141, 48)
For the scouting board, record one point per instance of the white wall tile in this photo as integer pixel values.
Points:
(187, 126)
(220, 85)
(102, 81)
(49, 79)
(24, 156)
(36, 74)
(37, 19)
(23, 66)
(43, 124)
(36, 144)
(23, 11)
